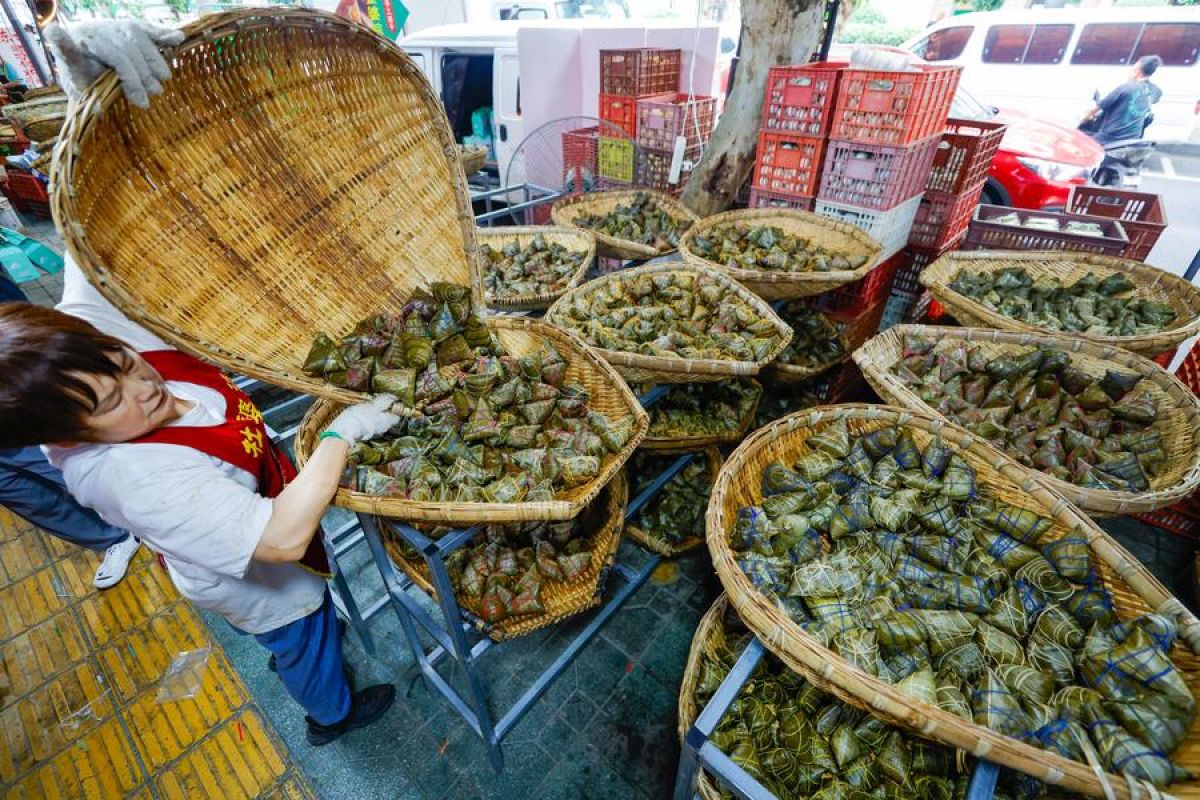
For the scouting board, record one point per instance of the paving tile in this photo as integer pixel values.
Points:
(21, 555)
(142, 594)
(633, 629)
(599, 668)
(12, 525)
(668, 655)
(99, 766)
(40, 724)
(31, 600)
(238, 759)
(292, 787)
(138, 658)
(636, 734)
(525, 766)
(579, 711)
(585, 777)
(32, 657)
(77, 567)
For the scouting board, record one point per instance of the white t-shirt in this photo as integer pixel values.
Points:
(202, 514)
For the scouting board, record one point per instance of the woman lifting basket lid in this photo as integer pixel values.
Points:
(167, 447)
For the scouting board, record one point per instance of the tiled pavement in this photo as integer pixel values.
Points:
(605, 729)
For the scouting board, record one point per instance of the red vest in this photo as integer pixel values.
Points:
(241, 440)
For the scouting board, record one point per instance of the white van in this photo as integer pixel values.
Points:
(1049, 62)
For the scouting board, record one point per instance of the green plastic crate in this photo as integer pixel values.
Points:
(617, 158)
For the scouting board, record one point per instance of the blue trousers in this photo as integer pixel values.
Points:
(308, 659)
(33, 488)
(9, 291)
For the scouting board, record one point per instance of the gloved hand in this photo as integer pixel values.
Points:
(84, 50)
(365, 420)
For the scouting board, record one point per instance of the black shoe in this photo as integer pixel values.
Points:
(271, 665)
(365, 707)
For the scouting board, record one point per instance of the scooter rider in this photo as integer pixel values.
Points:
(1125, 112)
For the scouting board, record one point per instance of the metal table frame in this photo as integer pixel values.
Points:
(698, 751)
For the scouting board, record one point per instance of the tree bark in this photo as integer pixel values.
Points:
(774, 32)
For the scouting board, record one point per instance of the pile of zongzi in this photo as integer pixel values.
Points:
(702, 409)
(540, 267)
(1098, 433)
(484, 426)
(676, 314)
(766, 247)
(642, 221)
(1091, 305)
(816, 341)
(893, 557)
(676, 512)
(780, 399)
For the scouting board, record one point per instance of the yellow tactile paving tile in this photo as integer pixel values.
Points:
(41, 723)
(163, 731)
(11, 525)
(30, 658)
(21, 555)
(142, 594)
(29, 601)
(78, 567)
(239, 759)
(138, 659)
(292, 787)
(100, 766)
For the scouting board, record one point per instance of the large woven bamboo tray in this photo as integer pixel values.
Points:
(1179, 408)
(662, 546)
(704, 640)
(837, 237)
(1134, 590)
(574, 239)
(565, 212)
(219, 218)
(1151, 282)
(637, 368)
(687, 444)
(519, 335)
(604, 520)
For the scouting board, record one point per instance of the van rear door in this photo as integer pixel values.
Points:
(509, 129)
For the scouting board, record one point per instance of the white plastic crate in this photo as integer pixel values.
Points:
(890, 228)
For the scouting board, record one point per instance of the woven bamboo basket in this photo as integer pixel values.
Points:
(573, 239)
(518, 335)
(687, 444)
(1151, 282)
(659, 545)
(637, 368)
(702, 642)
(472, 158)
(1179, 408)
(793, 373)
(1133, 588)
(604, 519)
(212, 218)
(565, 212)
(837, 237)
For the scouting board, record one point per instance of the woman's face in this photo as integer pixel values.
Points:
(131, 404)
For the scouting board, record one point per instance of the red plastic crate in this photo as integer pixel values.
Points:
(875, 176)
(661, 119)
(654, 168)
(1189, 370)
(800, 99)
(24, 187)
(788, 164)
(964, 155)
(640, 72)
(761, 199)
(943, 218)
(1141, 214)
(985, 233)
(915, 260)
(893, 108)
(1181, 519)
(579, 159)
(620, 110)
(868, 292)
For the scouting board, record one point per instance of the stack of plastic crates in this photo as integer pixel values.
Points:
(660, 122)
(627, 76)
(1183, 518)
(884, 135)
(1141, 214)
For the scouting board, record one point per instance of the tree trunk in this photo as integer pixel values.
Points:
(774, 32)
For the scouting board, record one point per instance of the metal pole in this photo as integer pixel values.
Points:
(830, 26)
(25, 43)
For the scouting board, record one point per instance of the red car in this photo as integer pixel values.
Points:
(1038, 162)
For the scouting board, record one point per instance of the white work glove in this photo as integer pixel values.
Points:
(84, 50)
(365, 420)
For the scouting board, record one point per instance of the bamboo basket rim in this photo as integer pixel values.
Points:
(1182, 295)
(785, 284)
(563, 234)
(615, 495)
(803, 653)
(878, 357)
(561, 508)
(661, 546)
(685, 444)
(688, 711)
(105, 97)
(564, 212)
(679, 369)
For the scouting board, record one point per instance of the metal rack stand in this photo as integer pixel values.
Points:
(456, 638)
(699, 751)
